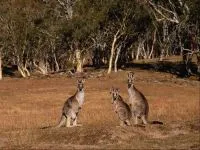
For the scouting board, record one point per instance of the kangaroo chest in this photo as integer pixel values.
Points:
(133, 97)
(115, 106)
(80, 97)
(131, 93)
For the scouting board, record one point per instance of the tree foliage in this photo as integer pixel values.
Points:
(44, 36)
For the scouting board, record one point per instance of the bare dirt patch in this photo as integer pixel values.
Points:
(27, 105)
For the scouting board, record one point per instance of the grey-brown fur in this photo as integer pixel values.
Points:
(121, 108)
(72, 106)
(137, 101)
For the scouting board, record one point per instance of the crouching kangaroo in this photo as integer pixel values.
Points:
(121, 108)
(72, 106)
(138, 103)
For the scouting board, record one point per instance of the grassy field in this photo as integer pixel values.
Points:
(28, 105)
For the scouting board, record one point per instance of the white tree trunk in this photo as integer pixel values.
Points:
(0, 66)
(117, 57)
(23, 71)
(26, 70)
(138, 52)
(152, 47)
(79, 63)
(144, 52)
(132, 54)
(41, 67)
(56, 62)
(162, 54)
(112, 54)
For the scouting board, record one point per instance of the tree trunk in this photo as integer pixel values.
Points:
(162, 54)
(23, 70)
(198, 62)
(53, 49)
(118, 34)
(165, 39)
(138, 52)
(152, 47)
(56, 62)
(26, 70)
(112, 54)
(148, 50)
(79, 63)
(20, 69)
(117, 57)
(41, 67)
(132, 54)
(144, 52)
(0, 66)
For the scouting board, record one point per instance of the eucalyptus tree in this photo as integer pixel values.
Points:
(180, 24)
(16, 29)
(80, 31)
(31, 30)
(102, 25)
(47, 37)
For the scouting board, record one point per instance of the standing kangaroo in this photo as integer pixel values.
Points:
(72, 106)
(121, 108)
(137, 101)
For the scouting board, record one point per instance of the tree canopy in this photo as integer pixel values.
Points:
(44, 35)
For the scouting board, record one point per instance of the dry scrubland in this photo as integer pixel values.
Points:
(27, 105)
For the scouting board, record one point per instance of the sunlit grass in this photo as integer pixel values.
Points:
(24, 112)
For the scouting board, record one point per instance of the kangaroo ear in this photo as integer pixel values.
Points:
(111, 90)
(128, 75)
(117, 90)
(132, 75)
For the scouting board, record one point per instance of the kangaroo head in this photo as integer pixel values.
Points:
(130, 79)
(80, 85)
(115, 94)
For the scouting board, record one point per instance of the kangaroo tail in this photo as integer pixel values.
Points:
(46, 127)
(61, 123)
(156, 122)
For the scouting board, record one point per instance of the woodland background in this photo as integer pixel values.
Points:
(50, 36)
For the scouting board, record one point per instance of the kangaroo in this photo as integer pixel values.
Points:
(121, 108)
(137, 101)
(72, 106)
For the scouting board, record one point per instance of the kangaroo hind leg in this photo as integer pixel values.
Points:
(122, 123)
(75, 121)
(62, 121)
(128, 122)
(144, 119)
(68, 122)
(136, 120)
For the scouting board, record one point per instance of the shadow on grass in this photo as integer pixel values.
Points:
(176, 68)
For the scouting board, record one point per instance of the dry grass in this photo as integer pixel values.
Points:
(27, 105)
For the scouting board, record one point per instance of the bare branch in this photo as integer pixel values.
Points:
(161, 11)
(67, 7)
